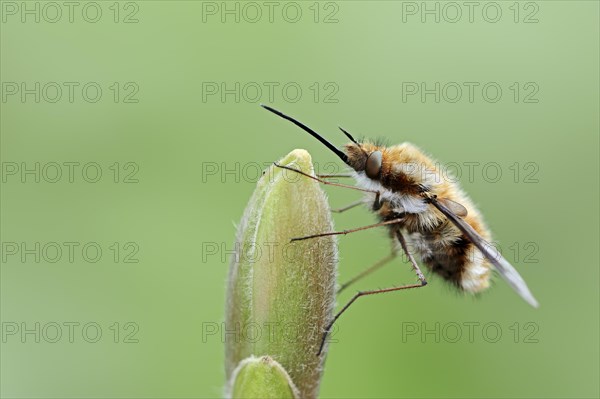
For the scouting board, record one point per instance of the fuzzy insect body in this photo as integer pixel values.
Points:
(405, 174)
(426, 212)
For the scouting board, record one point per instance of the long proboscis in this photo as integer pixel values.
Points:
(316, 135)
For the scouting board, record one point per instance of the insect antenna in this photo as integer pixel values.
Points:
(316, 135)
(349, 136)
(352, 140)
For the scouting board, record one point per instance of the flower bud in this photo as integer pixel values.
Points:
(280, 294)
(262, 378)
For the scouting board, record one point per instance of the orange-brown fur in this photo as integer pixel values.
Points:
(406, 171)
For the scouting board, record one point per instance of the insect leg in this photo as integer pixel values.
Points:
(377, 204)
(412, 260)
(359, 294)
(334, 175)
(328, 182)
(344, 232)
(347, 207)
(369, 270)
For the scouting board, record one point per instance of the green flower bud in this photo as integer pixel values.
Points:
(262, 378)
(280, 293)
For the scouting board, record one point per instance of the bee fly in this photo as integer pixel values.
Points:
(424, 211)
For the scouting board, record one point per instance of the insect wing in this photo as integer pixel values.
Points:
(455, 207)
(506, 270)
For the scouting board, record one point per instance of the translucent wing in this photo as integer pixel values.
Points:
(506, 270)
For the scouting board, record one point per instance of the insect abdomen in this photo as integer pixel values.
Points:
(456, 259)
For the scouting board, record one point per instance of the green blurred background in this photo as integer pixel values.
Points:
(353, 61)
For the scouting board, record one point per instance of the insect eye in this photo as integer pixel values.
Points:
(373, 166)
